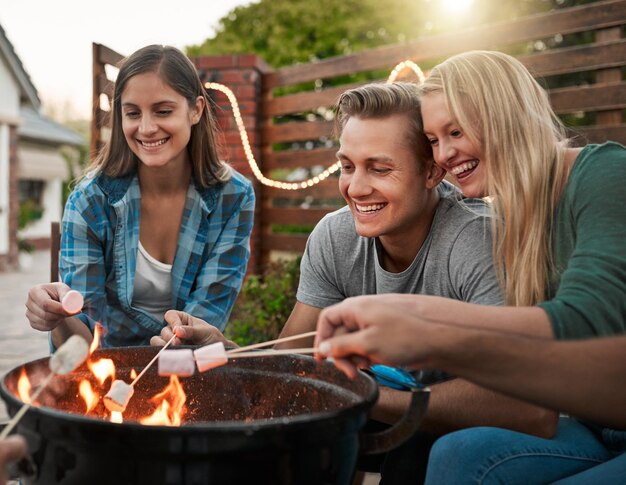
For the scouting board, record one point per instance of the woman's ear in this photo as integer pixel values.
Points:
(198, 109)
(435, 175)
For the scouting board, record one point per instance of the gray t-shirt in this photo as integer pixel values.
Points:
(455, 260)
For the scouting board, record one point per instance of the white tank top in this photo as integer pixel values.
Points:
(153, 285)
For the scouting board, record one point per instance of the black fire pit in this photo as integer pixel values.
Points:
(275, 420)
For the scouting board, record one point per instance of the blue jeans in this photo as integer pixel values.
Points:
(494, 455)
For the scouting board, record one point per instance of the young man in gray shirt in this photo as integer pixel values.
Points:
(403, 231)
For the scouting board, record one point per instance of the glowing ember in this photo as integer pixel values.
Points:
(90, 397)
(171, 408)
(23, 386)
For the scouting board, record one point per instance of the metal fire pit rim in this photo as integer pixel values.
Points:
(226, 426)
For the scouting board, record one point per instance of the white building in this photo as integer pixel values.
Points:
(31, 165)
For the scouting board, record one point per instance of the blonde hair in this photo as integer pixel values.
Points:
(116, 158)
(502, 109)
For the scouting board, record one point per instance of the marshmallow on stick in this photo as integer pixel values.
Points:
(118, 396)
(72, 302)
(69, 355)
(177, 362)
(210, 356)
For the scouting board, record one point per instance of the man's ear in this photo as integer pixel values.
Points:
(435, 175)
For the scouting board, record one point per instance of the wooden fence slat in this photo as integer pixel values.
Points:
(589, 57)
(284, 242)
(576, 19)
(292, 215)
(589, 98)
(602, 133)
(304, 130)
(108, 56)
(299, 158)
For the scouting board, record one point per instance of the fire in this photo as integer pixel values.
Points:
(23, 387)
(90, 397)
(102, 369)
(172, 402)
(95, 343)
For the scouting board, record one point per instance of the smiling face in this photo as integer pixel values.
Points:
(389, 191)
(157, 120)
(452, 149)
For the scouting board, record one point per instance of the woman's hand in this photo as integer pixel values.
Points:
(373, 329)
(189, 330)
(43, 306)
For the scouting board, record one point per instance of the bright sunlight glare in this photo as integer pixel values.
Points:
(456, 5)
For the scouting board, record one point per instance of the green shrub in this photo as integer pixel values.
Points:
(264, 303)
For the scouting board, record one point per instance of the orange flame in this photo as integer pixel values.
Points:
(23, 387)
(170, 402)
(96, 338)
(171, 409)
(86, 392)
(102, 369)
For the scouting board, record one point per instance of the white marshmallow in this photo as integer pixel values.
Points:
(210, 356)
(72, 302)
(178, 362)
(118, 396)
(69, 355)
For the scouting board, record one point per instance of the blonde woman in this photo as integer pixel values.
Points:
(559, 246)
(559, 235)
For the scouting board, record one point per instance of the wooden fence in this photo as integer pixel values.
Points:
(294, 130)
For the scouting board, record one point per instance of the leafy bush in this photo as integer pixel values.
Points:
(264, 303)
(29, 211)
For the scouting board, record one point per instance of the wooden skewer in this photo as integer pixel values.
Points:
(152, 361)
(9, 427)
(265, 353)
(270, 342)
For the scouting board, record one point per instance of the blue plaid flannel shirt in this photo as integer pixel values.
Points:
(100, 236)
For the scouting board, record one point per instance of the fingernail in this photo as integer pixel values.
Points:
(325, 348)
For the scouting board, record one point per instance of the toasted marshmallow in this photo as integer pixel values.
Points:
(69, 355)
(210, 356)
(72, 302)
(176, 362)
(118, 396)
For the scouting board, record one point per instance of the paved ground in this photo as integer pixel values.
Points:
(19, 342)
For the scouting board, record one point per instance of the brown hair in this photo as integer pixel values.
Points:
(116, 158)
(377, 100)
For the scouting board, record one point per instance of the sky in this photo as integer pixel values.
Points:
(53, 38)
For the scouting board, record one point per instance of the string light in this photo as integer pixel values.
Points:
(245, 142)
(401, 66)
(243, 134)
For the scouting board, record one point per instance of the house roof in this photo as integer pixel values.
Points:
(41, 128)
(28, 92)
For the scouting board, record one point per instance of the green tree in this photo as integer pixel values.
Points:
(285, 32)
